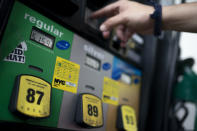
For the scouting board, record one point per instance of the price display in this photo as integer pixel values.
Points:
(31, 97)
(92, 62)
(126, 118)
(89, 111)
(42, 38)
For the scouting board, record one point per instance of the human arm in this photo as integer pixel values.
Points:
(181, 17)
(130, 17)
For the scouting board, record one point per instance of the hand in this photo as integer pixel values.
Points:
(127, 17)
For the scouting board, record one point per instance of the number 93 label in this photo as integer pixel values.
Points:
(31, 97)
(91, 111)
(128, 118)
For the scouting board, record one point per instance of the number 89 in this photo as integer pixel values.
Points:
(92, 110)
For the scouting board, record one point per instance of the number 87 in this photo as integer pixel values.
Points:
(31, 98)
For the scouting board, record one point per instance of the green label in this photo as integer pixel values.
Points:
(19, 54)
(20, 25)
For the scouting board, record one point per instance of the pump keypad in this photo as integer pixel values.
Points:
(89, 111)
(31, 97)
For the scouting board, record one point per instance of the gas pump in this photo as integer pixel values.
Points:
(55, 74)
(95, 64)
(128, 78)
(185, 90)
(29, 48)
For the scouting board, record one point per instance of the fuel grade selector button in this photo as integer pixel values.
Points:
(89, 112)
(31, 97)
(126, 120)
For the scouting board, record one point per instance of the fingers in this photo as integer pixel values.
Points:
(123, 33)
(106, 34)
(120, 32)
(126, 36)
(112, 22)
(107, 11)
(128, 33)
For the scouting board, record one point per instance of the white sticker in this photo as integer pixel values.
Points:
(18, 54)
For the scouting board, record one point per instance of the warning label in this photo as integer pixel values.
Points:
(17, 55)
(66, 75)
(110, 91)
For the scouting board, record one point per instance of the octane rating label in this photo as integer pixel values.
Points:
(66, 75)
(92, 110)
(129, 118)
(34, 96)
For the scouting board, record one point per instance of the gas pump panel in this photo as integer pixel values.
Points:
(91, 6)
(132, 50)
(54, 78)
(28, 50)
(70, 12)
(75, 14)
(129, 79)
(91, 26)
(95, 64)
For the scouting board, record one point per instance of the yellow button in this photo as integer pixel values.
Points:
(34, 96)
(129, 118)
(91, 110)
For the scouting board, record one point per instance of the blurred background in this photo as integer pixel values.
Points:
(150, 84)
